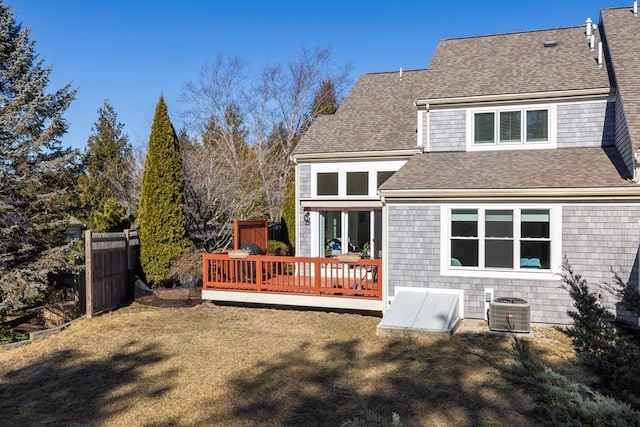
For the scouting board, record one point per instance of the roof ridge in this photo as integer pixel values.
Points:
(394, 71)
(513, 33)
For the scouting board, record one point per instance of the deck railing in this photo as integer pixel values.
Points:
(293, 275)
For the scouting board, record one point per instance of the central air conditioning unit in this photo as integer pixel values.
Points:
(509, 315)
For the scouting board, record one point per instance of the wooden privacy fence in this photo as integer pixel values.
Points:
(111, 261)
(251, 231)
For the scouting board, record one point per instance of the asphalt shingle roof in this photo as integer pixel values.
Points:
(522, 169)
(514, 63)
(622, 30)
(378, 114)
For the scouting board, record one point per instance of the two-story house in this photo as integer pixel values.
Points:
(479, 175)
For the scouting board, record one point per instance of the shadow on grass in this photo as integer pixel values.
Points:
(68, 389)
(453, 382)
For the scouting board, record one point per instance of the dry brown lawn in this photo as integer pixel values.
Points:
(215, 365)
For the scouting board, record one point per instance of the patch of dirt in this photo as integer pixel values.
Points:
(176, 297)
(30, 320)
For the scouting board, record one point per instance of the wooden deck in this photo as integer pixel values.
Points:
(318, 282)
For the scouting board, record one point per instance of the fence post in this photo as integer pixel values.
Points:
(88, 259)
(126, 245)
(130, 291)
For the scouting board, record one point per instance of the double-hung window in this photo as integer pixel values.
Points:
(511, 127)
(501, 239)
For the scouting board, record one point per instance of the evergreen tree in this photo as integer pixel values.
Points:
(325, 102)
(161, 217)
(608, 347)
(288, 221)
(37, 174)
(107, 178)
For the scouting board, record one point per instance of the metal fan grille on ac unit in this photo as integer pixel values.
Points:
(509, 315)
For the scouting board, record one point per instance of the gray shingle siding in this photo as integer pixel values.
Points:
(304, 192)
(586, 124)
(304, 236)
(595, 239)
(599, 239)
(589, 124)
(448, 130)
(304, 231)
(622, 138)
(304, 181)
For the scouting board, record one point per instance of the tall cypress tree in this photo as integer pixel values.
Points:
(161, 217)
(37, 175)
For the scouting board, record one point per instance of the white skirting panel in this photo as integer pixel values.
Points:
(293, 300)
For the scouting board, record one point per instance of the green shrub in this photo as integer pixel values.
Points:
(277, 248)
(288, 220)
(604, 345)
(187, 270)
(562, 402)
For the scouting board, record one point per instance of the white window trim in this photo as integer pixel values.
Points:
(342, 168)
(555, 233)
(551, 143)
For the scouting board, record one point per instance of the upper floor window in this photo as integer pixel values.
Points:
(382, 177)
(327, 184)
(357, 183)
(511, 127)
(350, 180)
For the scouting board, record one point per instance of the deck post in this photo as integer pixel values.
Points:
(317, 275)
(259, 274)
(205, 269)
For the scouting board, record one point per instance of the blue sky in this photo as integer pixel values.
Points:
(132, 51)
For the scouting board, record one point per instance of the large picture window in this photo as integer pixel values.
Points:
(510, 126)
(500, 239)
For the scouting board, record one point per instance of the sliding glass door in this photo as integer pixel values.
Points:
(350, 231)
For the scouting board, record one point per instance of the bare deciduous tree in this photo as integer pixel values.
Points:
(239, 165)
(219, 165)
(282, 109)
